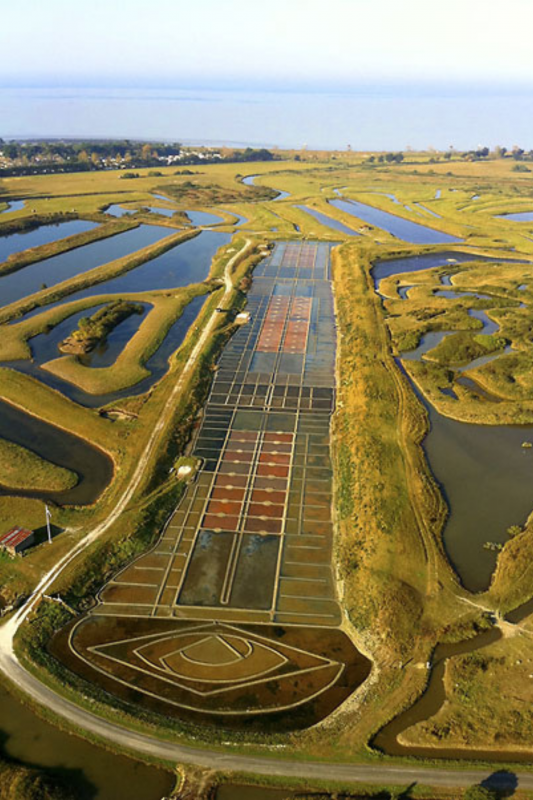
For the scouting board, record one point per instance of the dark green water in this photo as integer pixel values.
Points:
(234, 791)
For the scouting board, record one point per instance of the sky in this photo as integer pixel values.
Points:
(385, 52)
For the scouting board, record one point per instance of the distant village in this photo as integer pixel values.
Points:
(34, 157)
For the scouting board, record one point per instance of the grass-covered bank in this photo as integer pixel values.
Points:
(32, 255)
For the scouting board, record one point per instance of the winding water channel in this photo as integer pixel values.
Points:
(484, 473)
(93, 467)
(13, 205)
(434, 697)
(250, 181)
(44, 348)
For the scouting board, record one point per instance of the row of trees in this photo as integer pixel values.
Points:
(80, 150)
(69, 156)
(516, 153)
(386, 158)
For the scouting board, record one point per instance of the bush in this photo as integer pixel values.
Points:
(480, 792)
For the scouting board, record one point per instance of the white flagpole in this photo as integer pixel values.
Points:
(48, 516)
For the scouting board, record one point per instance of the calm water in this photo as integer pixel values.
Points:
(185, 263)
(60, 268)
(188, 262)
(199, 218)
(523, 216)
(44, 348)
(15, 242)
(403, 229)
(330, 222)
(117, 210)
(387, 115)
(250, 181)
(94, 773)
(106, 353)
(13, 205)
(93, 466)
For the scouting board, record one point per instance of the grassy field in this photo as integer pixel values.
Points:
(489, 700)
(399, 593)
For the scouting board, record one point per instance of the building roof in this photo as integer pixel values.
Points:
(15, 537)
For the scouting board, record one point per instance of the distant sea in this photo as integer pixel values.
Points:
(368, 117)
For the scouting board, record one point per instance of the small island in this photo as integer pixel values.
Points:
(95, 329)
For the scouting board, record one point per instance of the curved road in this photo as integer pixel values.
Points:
(145, 744)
